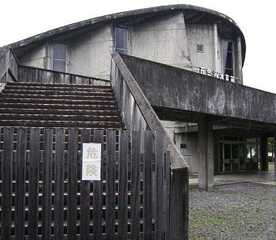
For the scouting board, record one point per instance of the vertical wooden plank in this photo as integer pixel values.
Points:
(111, 152)
(159, 162)
(166, 193)
(34, 164)
(97, 195)
(179, 205)
(148, 185)
(84, 198)
(47, 181)
(135, 223)
(59, 185)
(20, 183)
(123, 164)
(73, 181)
(7, 161)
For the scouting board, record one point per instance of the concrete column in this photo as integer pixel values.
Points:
(274, 154)
(206, 155)
(238, 61)
(216, 60)
(263, 154)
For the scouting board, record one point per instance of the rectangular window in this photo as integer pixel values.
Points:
(199, 48)
(121, 37)
(228, 58)
(59, 57)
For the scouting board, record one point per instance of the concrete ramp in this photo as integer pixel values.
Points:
(170, 88)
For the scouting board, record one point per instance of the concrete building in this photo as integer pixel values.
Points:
(218, 133)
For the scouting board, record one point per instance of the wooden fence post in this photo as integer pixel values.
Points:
(179, 205)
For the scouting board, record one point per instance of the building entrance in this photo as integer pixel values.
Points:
(238, 154)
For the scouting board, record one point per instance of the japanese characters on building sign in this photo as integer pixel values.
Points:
(91, 161)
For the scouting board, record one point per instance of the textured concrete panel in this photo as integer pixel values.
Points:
(162, 39)
(174, 88)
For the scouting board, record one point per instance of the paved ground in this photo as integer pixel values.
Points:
(245, 211)
(268, 178)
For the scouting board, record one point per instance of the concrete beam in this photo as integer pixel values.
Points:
(206, 155)
(168, 88)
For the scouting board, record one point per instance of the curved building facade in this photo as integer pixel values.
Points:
(183, 36)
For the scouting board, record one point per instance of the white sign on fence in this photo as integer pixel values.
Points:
(91, 161)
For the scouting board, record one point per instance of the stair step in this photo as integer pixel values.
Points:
(50, 123)
(48, 106)
(57, 101)
(58, 92)
(54, 88)
(18, 116)
(59, 111)
(56, 85)
(75, 97)
(58, 105)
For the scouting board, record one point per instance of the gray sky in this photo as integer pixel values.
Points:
(21, 19)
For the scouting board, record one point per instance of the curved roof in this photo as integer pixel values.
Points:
(121, 15)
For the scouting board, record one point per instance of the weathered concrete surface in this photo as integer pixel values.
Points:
(203, 34)
(172, 88)
(206, 155)
(37, 57)
(8, 65)
(90, 53)
(132, 15)
(162, 39)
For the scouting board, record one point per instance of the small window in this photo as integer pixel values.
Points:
(228, 57)
(183, 146)
(59, 57)
(200, 48)
(121, 36)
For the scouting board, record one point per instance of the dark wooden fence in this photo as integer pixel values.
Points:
(42, 195)
(45, 76)
(137, 114)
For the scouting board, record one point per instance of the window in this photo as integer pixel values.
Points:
(200, 48)
(228, 57)
(59, 57)
(121, 36)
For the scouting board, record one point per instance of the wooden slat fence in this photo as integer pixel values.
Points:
(42, 195)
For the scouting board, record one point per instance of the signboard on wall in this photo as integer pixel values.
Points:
(91, 161)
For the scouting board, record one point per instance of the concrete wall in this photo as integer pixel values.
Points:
(188, 146)
(201, 34)
(90, 54)
(162, 39)
(185, 141)
(173, 88)
(212, 55)
(165, 39)
(35, 57)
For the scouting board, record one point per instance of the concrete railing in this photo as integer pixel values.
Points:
(8, 65)
(138, 114)
(208, 72)
(41, 75)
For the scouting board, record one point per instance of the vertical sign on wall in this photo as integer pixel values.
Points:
(91, 161)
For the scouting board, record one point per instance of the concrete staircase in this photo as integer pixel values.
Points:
(58, 105)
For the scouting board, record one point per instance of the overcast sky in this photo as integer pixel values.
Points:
(21, 19)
